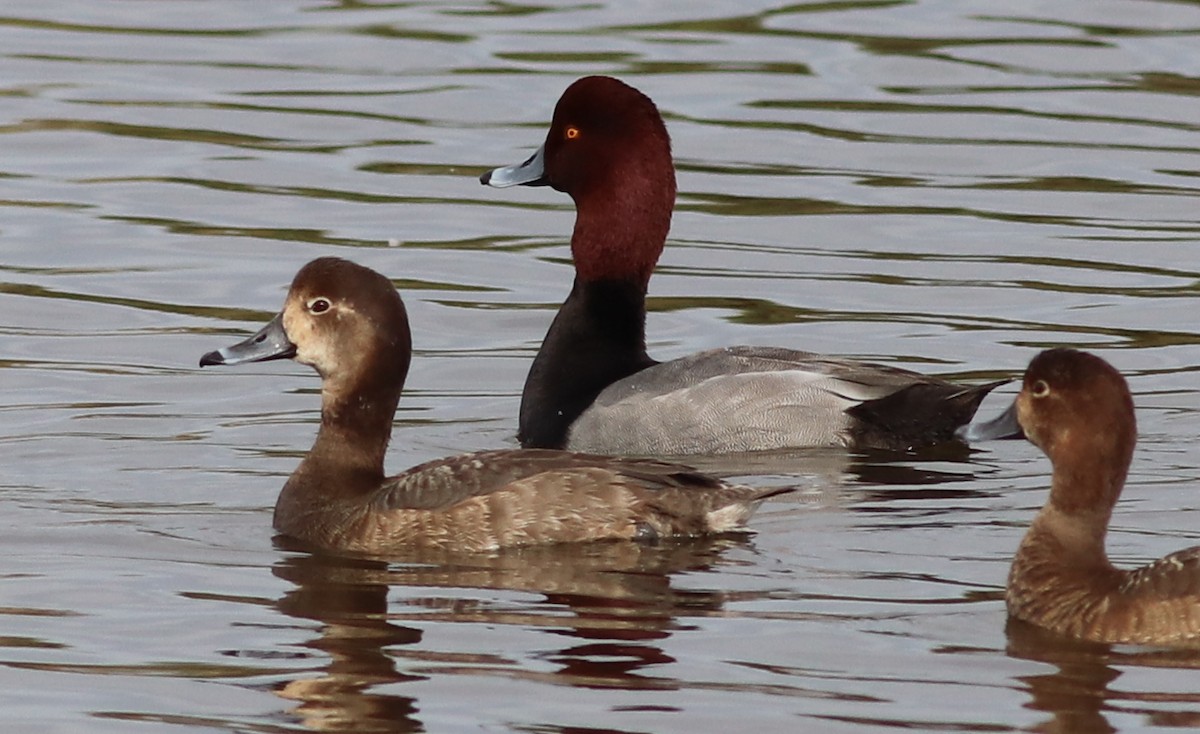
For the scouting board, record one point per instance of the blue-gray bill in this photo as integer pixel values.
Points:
(1003, 426)
(271, 342)
(530, 173)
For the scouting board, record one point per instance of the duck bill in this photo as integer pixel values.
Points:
(1003, 426)
(530, 173)
(271, 342)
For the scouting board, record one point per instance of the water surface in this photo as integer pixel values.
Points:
(944, 186)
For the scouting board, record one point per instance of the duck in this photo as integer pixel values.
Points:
(1077, 409)
(349, 323)
(593, 387)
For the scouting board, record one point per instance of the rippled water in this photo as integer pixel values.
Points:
(947, 186)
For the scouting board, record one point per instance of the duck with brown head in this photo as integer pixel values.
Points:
(593, 387)
(349, 323)
(1077, 409)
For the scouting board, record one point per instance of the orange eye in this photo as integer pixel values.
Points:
(571, 132)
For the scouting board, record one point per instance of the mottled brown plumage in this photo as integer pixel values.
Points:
(1078, 410)
(349, 323)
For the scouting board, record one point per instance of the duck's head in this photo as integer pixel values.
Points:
(1077, 409)
(609, 149)
(345, 320)
(603, 133)
(1073, 405)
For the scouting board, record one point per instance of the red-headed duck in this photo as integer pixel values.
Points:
(593, 387)
(1077, 409)
(349, 323)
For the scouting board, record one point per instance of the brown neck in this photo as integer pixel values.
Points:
(1086, 483)
(356, 425)
(1078, 538)
(1089, 471)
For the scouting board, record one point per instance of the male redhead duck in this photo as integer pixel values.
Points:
(349, 323)
(1077, 409)
(592, 387)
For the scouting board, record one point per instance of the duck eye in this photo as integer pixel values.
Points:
(318, 305)
(571, 132)
(1039, 389)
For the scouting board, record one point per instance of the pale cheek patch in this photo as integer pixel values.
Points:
(314, 337)
(321, 355)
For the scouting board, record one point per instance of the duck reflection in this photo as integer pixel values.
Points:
(942, 471)
(349, 599)
(609, 602)
(1078, 695)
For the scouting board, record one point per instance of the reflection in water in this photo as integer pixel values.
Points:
(609, 601)
(917, 474)
(837, 468)
(1079, 693)
(349, 598)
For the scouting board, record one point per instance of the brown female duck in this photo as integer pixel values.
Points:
(349, 323)
(1077, 409)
